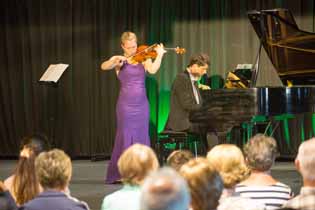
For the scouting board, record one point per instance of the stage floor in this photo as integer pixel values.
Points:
(88, 179)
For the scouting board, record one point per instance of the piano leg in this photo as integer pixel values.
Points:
(201, 130)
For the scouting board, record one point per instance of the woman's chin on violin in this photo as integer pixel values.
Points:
(129, 47)
(143, 53)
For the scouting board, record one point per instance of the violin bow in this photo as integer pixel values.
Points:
(178, 50)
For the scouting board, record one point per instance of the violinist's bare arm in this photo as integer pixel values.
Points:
(153, 67)
(115, 61)
(148, 65)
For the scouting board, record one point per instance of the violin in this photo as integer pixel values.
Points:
(144, 52)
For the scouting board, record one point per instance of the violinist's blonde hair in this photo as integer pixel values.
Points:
(128, 35)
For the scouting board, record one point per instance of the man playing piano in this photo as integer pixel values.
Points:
(185, 97)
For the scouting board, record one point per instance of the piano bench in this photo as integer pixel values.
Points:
(169, 140)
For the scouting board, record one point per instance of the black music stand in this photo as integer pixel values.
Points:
(50, 78)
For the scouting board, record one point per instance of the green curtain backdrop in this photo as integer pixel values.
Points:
(79, 112)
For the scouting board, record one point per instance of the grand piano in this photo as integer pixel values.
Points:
(288, 110)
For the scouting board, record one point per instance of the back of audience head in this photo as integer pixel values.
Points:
(305, 160)
(36, 144)
(229, 161)
(136, 163)
(53, 169)
(25, 185)
(260, 152)
(165, 189)
(204, 182)
(179, 157)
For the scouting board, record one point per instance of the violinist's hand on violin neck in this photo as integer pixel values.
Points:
(160, 49)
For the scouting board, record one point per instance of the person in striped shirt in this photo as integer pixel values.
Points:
(260, 154)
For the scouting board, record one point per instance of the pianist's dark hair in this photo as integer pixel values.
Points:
(199, 59)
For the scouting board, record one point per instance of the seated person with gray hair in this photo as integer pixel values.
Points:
(165, 190)
(305, 164)
(53, 170)
(260, 154)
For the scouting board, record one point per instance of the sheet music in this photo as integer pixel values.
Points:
(244, 66)
(54, 72)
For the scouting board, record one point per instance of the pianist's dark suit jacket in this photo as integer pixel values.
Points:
(182, 103)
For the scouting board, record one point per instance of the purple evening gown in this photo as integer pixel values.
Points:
(132, 113)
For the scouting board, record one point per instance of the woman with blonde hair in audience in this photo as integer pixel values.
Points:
(260, 154)
(204, 182)
(229, 161)
(134, 165)
(23, 184)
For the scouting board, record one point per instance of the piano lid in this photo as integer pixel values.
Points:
(291, 50)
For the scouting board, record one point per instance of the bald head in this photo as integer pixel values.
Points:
(305, 159)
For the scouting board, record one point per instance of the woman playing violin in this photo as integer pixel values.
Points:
(132, 109)
(130, 46)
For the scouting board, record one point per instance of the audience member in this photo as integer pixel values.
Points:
(165, 190)
(135, 163)
(54, 170)
(6, 200)
(305, 164)
(204, 182)
(260, 154)
(240, 203)
(23, 184)
(179, 157)
(229, 161)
